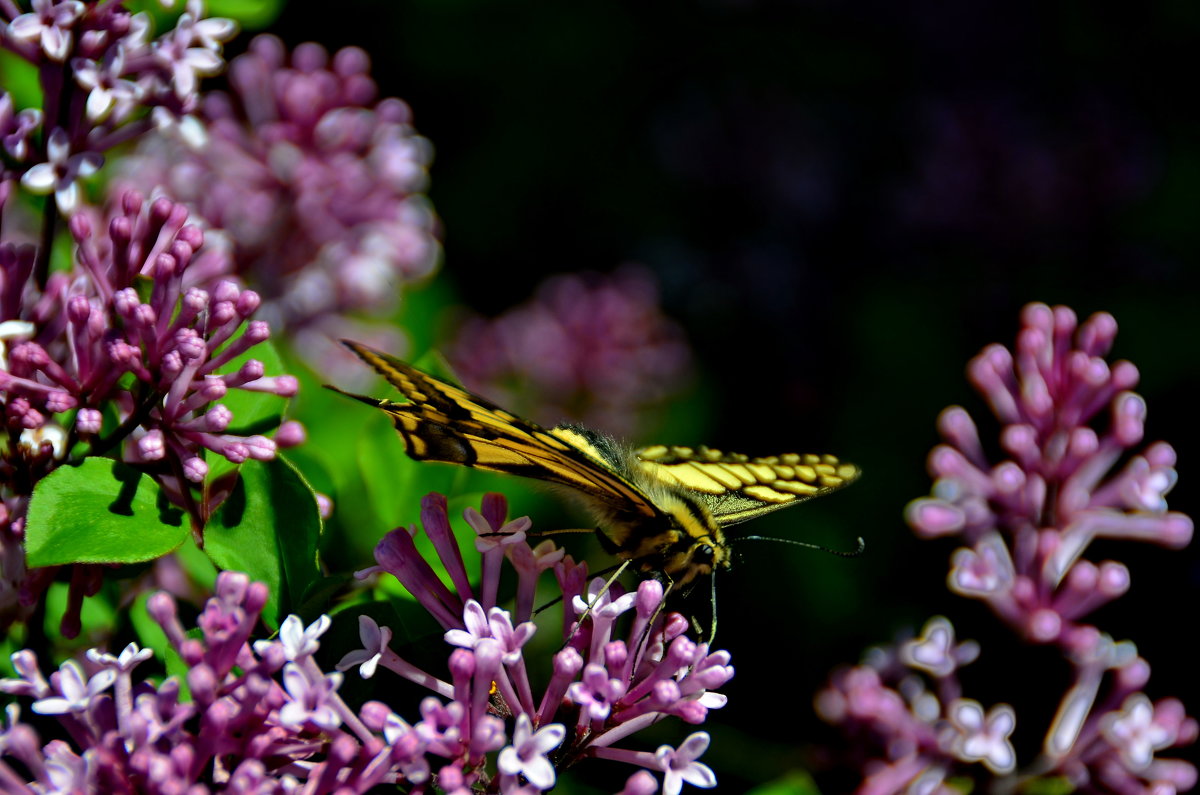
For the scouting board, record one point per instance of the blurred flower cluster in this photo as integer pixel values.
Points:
(588, 348)
(315, 180)
(264, 716)
(1027, 522)
(126, 345)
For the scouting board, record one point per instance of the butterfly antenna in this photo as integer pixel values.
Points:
(841, 553)
(370, 401)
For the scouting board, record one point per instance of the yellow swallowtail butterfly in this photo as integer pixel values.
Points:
(660, 509)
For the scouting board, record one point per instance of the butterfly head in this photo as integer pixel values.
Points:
(696, 547)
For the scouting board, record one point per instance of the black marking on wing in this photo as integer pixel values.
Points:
(443, 422)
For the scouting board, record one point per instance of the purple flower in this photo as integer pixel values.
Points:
(317, 182)
(984, 738)
(107, 89)
(527, 754)
(631, 678)
(16, 128)
(131, 84)
(49, 24)
(193, 49)
(263, 713)
(76, 693)
(594, 349)
(678, 766)
(309, 699)
(62, 171)
(375, 644)
(173, 343)
(1027, 522)
(156, 363)
(681, 765)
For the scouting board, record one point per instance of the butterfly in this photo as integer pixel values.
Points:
(661, 509)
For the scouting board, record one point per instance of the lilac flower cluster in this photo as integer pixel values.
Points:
(92, 342)
(105, 81)
(316, 181)
(264, 717)
(1027, 522)
(603, 686)
(594, 349)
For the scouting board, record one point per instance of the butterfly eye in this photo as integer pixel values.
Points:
(703, 555)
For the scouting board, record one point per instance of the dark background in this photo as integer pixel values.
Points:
(843, 202)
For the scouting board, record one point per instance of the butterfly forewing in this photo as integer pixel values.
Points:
(442, 422)
(736, 487)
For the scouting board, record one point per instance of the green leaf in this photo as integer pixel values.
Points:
(20, 78)
(101, 511)
(269, 528)
(197, 565)
(96, 614)
(252, 14)
(394, 482)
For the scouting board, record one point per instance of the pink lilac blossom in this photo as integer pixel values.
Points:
(264, 717)
(104, 82)
(604, 685)
(1028, 521)
(128, 334)
(316, 180)
(588, 348)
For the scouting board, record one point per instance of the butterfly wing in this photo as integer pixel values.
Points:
(443, 422)
(735, 487)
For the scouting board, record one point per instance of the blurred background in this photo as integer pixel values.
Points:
(838, 203)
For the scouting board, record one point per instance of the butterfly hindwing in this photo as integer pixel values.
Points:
(735, 487)
(443, 422)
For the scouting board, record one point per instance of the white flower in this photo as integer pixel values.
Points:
(62, 171)
(680, 766)
(130, 656)
(527, 754)
(76, 695)
(984, 739)
(375, 641)
(49, 23)
(106, 89)
(297, 641)
(1135, 734)
(310, 699)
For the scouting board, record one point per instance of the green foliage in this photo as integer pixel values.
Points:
(20, 79)
(794, 783)
(101, 511)
(250, 14)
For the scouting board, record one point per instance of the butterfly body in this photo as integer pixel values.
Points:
(663, 509)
